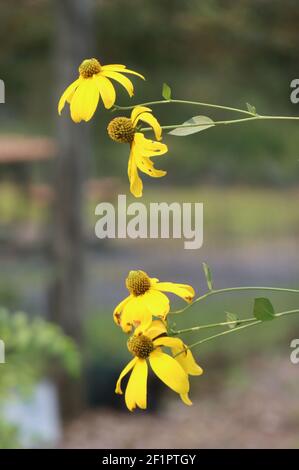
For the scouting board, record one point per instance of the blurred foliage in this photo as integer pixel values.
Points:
(216, 51)
(8, 435)
(32, 349)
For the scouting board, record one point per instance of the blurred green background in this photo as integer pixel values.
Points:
(222, 52)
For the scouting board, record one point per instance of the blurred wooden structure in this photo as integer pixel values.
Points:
(74, 39)
(16, 148)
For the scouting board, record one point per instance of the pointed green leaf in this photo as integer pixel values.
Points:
(232, 317)
(166, 91)
(193, 125)
(251, 108)
(263, 309)
(208, 276)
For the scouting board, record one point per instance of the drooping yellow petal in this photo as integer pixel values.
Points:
(68, 94)
(132, 72)
(135, 313)
(85, 100)
(145, 322)
(136, 111)
(147, 147)
(169, 371)
(136, 389)
(118, 309)
(145, 165)
(156, 328)
(124, 372)
(186, 360)
(184, 291)
(156, 302)
(107, 91)
(136, 185)
(169, 342)
(122, 69)
(152, 121)
(113, 66)
(124, 81)
(185, 398)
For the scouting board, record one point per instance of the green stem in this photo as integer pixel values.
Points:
(195, 103)
(231, 121)
(210, 325)
(227, 332)
(233, 289)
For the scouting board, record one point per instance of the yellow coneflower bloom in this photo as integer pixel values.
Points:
(124, 130)
(94, 83)
(146, 300)
(148, 347)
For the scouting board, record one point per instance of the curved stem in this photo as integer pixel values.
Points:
(234, 289)
(195, 103)
(227, 332)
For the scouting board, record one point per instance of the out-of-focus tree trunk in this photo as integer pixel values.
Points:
(74, 41)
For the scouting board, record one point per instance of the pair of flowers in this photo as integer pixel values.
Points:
(144, 314)
(83, 95)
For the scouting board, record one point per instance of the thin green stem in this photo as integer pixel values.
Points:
(195, 103)
(234, 289)
(210, 325)
(235, 330)
(227, 122)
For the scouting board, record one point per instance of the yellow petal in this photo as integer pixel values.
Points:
(68, 94)
(184, 291)
(118, 309)
(124, 81)
(123, 70)
(156, 302)
(169, 371)
(136, 388)
(136, 111)
(156, 328)
(169, 342)
(113, 66)
(152, 121)
(147, 147)
(124, 372)
(107, 90)
(186, 360)
(185, 398)
(136, 185)
(135, 313)
(145, 322)
(147, 166)
(85, 100)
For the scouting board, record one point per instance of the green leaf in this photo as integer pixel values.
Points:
(251, 108)
(166, 91)
(193, 125)
(232, 317)
(208, 276)
(263, 309)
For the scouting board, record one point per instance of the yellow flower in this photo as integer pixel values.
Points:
(146, 300)
(94, 82)
(124, 130)
(172, 371)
